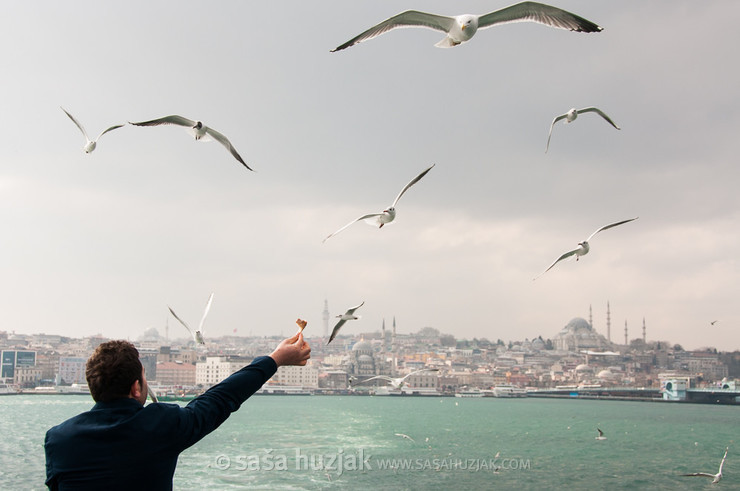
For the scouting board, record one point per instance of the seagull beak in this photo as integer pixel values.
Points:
(463, 26)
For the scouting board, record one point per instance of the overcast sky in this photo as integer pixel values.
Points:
(102, 243)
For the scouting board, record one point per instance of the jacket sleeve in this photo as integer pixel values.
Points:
(206, 412)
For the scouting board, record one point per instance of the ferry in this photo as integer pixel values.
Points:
(469, 393)
(5, 389)
(508, 390)
(284, 390)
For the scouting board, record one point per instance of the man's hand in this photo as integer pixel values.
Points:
(292, 351)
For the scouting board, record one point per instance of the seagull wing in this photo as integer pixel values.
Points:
(600, 113)
(601, 433)
(363, 217)
(352, 310)
(174, 119)
(77, 123)
(539, 13)
(700, 474)
(336, 330)
(377, 377)
(564, 256)
(205, 313)
(409, 18)
(225, 142)
(723, 460)
(405, 436)
(558, 118)
(151, 393)
(109, 129)
(419, 371)
(413, 181)
(181, 321)
(610, 226)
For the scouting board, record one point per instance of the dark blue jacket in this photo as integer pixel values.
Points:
(124, 445)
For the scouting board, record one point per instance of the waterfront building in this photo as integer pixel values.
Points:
(175, 373)
(71, 370)
(299, 376)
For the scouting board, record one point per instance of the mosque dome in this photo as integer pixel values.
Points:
(577, 335)
(582, 367)
(365, 359)
(577, 325)
(538, 344)
(363, 345)
(605, 374)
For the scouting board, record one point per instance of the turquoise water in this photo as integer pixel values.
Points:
(285, 442)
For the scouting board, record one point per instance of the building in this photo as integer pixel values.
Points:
(305, 376)
(71, 370)
(174, 373)
(577, 335)
(217, 368)
(12, 359)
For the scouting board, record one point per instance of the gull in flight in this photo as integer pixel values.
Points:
(713, 322)
(347, 316)
(601, 435)
(388, 215)
(89, 144)
(200, 131)
(399, 382)
(715, 477)
(571, 116)
(461, 28)
(403, 435)
(583, 247)
(198, 333)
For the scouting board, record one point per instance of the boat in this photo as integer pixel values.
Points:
(469, 393)
(283, 390)
(5, 389)
(508, 390)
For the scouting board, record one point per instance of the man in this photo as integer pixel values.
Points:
(121, 444)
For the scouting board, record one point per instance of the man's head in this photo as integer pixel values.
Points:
(115, 372)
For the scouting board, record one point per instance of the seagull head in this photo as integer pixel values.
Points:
(198, 125)
(468, 22)
(571, 115)
(89, 147)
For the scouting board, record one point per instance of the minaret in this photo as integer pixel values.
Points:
(625, 333)
(608, 323)
(384, 349)
(590, 317)
(644, 333)
(393, 348)
(325, 316)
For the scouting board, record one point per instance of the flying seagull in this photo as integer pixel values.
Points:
(347, 316)
(403, 435)
(461, 28)
(571, 116)
(713, 322)
(199, 130)
(583, 247)
(601, 435)
(715, 477)
(389, 214)
(400, 381)
(89, 144)
(198, 333)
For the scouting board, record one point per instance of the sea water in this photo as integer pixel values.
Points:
(357, 442)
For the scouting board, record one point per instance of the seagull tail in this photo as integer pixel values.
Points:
(447, 42)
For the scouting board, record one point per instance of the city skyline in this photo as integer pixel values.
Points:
(103, 242)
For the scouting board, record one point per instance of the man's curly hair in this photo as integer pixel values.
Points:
(112, 369)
